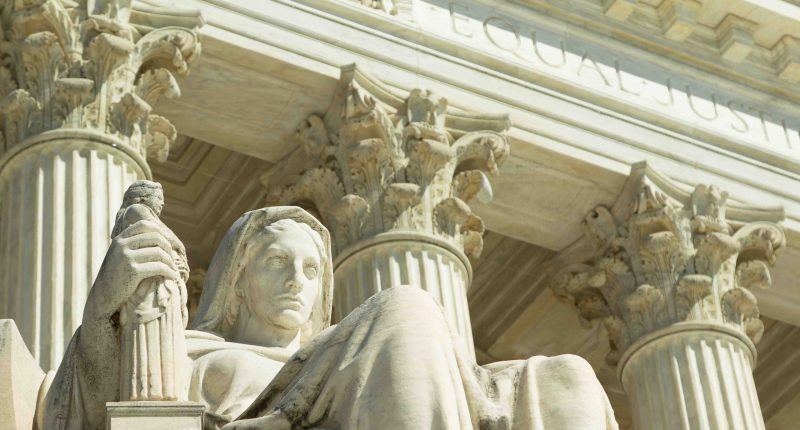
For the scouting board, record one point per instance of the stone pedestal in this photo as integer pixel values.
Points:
(390, 177)
(700, 376)
(391, 260)
(152, 415)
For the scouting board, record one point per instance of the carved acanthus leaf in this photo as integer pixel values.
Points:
(156, 83)
(471, 183)
(43, 62)
(482, 150)
(399, 198)
(129, 114)
(168, 48)
(159, 135)
(314, 137)
(17, 109)
(72, 94)
(106, 53)
(62, 24)
(90, 68)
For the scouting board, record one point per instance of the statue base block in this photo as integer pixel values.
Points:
(154, 415)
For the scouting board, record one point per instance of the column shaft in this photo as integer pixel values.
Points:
(58, 206)
(435, 269)
(693, 380)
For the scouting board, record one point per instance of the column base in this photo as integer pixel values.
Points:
(154, 415)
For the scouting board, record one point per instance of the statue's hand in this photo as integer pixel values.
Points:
(139, 252)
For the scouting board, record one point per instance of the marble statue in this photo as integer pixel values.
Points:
(151, 322)
(263, 355)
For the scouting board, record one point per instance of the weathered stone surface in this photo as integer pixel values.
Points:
(662, 257)
(377, 163)
(151, 322)
(20, 378)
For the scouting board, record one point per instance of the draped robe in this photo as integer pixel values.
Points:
(394, 363)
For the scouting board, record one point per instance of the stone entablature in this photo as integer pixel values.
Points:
(730, 31)
(743, 108)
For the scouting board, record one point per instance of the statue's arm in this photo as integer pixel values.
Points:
(140, 252)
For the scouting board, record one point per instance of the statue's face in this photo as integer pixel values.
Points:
(282, 279)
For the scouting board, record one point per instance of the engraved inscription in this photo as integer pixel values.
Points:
(545, 49)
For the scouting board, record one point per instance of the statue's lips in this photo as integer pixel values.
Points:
(291, 301)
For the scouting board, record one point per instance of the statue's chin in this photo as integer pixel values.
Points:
(288, 319)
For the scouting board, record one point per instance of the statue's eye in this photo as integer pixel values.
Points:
(277, 262)
(310, 270)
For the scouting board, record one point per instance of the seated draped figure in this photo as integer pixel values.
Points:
(263, 355)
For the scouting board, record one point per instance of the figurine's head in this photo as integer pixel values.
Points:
(275, 263)
(145, 192)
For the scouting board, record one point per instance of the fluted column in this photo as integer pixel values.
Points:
(390, 178)
(406, 260)
(670, 280)
(699, 378)
(76, 130)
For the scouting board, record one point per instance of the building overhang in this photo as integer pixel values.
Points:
(577, 126)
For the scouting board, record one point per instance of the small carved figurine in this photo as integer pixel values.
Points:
(152, 343)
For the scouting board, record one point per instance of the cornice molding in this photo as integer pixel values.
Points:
(748, 45)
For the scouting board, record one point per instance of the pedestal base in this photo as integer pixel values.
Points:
(154, 416)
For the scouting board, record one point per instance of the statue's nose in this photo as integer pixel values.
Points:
(294, 283)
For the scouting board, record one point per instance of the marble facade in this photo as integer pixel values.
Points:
(612, 179)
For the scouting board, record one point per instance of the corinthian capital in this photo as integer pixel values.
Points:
(663, 256)
(66, 66)
(377, 163)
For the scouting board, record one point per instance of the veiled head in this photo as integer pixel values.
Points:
(280, 279)
(277, 262)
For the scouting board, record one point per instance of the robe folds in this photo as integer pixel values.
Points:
(394, 363)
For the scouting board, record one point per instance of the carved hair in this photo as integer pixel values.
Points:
(147, 193)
